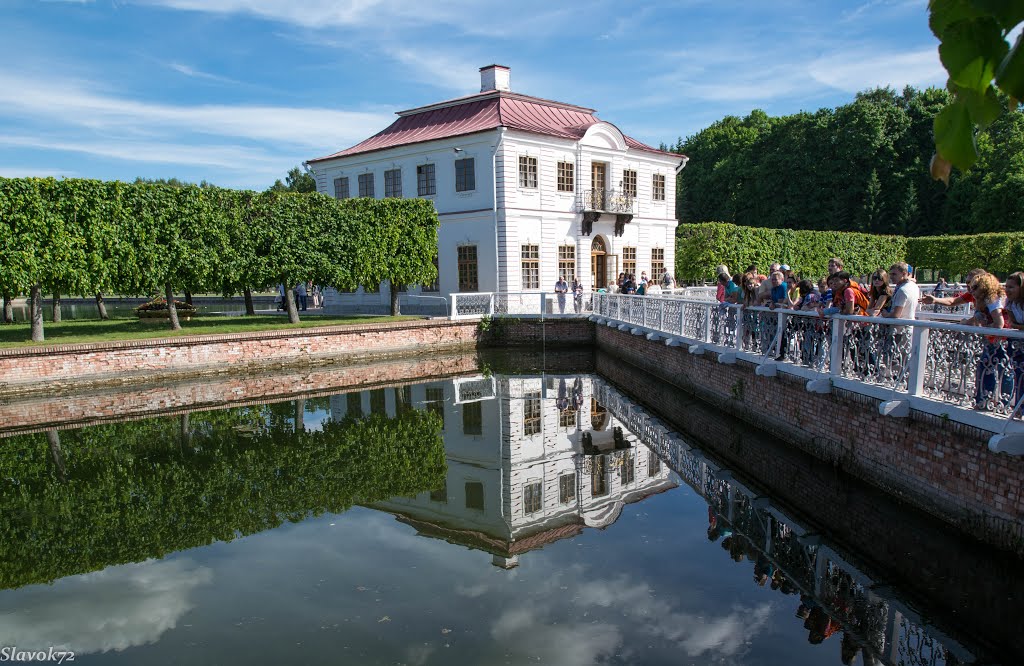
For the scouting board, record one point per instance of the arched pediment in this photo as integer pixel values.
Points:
(604, 135)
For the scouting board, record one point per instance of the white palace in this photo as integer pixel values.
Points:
(527, 189)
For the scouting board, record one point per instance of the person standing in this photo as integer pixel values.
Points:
(301, 295)
(906, 293)
(577, 295)
(561, 287)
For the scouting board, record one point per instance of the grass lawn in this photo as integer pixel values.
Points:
(96, 330)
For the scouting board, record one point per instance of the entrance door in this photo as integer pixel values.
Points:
(598, 264)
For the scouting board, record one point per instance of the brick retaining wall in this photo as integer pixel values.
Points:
(940, 466)
(55, 368)
(926, 561)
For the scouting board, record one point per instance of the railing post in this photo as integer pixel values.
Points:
(739, 328)
(836, 351)
(490, 304)
(780, 334)
(643, 311)
(682, 316)
(661, 314)
(707, 322)
(918, 361)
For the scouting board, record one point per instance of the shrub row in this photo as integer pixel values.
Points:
(702, 247)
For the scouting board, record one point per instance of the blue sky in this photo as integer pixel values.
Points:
(236, 92)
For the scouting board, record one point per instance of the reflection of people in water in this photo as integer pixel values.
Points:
(577, 393)
(562, 402)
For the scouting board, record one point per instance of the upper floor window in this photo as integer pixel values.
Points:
(527, 171)
(467, 268)
(393, 183)
(341, 188)
(426, 185)
(366, 185)
(465, 175)
(658, 187)
(566, 177)
(531, 266)
(629, 183)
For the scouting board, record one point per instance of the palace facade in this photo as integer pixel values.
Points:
(527, 190)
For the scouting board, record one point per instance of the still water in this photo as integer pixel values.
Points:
(512, 517)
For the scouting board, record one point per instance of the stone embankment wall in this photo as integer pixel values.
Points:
(873, 530)
(53, 368)
(942, 467)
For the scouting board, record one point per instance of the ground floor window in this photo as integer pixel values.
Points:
(629, 260)
(567, 262)
(531, 266)
(653, 463)
(531, 413)
(468, 268)
(627, 473)
(532, 497)
(657, 263)
(566, 488)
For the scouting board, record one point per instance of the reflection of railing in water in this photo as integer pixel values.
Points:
(873, 621)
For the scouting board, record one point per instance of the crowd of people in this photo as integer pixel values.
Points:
(891, 293)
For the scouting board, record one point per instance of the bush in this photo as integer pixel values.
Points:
(701, 247)
(955, 255)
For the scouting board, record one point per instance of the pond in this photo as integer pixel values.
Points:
(504, 514)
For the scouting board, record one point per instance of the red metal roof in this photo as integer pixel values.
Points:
(481, 112)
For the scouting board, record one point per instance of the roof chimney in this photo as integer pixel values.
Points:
(495, 77)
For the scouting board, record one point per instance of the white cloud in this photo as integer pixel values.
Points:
(114, 609)
(35, 172)
(72, 103)
(857, 69)
(222, 157)
(198, 74)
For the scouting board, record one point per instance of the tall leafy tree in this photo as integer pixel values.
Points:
(298, 180)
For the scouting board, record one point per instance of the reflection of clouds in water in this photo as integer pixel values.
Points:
(532, 630)
(539, 627)
(113, 609)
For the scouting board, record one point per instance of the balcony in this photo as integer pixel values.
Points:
(606, 201)
(596, 202)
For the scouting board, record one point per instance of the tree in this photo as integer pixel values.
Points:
(392, 240)
(297, 180)
(975, 51)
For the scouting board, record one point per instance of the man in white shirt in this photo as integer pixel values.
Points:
(907, 294)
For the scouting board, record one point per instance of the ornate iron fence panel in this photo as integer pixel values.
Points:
(636, 310)
(759, 329)
(671, 322)
(470, 305)
(652, 310)
(723, 325)
(974, 370)
(695, 319)
(807, 341)
(876, 353)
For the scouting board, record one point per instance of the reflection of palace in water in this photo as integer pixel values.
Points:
(531, 460)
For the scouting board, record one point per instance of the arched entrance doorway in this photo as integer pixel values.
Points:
(599, 263)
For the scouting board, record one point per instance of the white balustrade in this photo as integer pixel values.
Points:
(947, 368)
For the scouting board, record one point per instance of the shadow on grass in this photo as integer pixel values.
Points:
(96, 330)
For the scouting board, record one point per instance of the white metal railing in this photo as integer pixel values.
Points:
(520, 304)
(954, 369)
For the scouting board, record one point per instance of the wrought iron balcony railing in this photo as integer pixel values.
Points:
(606, 201)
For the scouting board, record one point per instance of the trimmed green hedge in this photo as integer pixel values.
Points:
(702, 247)
(998, 253)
